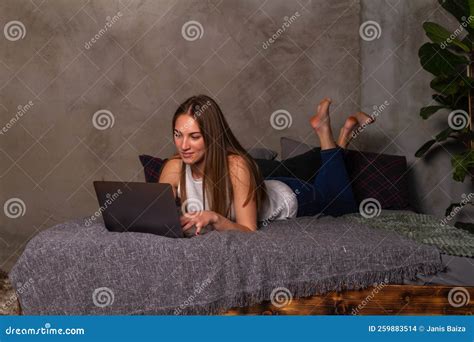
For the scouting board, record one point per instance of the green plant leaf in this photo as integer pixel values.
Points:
(445, 85)
(446, 101)
(461, 102)
(467, 41)
(440, 62)
(444, 134)
(471, 13)
(440, 35)
(458, 8)
(451, 208)
(462, 163)
(423, 149)
(426, 112)
(454, 85)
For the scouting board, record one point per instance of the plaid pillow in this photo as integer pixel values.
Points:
(152, 167)
(379, 176)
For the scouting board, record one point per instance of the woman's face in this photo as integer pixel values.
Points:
(188, 139)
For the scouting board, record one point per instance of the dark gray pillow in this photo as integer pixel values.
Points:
(291, 147)
(262, 153)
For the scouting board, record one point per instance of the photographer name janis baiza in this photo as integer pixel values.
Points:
(107, 203)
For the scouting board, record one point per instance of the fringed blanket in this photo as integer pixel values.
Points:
(73, 269)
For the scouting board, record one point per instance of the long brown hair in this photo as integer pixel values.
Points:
(220, 142)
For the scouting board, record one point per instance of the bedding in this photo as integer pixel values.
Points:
(459, 271)
(425, 229)
(74, 269)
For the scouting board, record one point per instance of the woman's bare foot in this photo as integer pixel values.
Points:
(322, 124)
(363, 119)
(345, 134)
(320, 120)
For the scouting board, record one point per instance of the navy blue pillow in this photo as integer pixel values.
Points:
(152, 167)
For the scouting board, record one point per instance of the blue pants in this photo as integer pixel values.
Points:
(331, 193)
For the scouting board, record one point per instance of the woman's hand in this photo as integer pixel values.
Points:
(200, 219)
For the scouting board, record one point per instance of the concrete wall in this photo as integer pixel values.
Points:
(139, 70)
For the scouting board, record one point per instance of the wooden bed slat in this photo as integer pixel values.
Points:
(388, 300)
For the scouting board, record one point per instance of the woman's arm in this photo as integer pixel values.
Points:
(223, 223)
(246, 217)
(171, 173)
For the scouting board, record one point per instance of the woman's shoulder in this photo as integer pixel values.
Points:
(171, 171)
(238, 166)
(236, 161)
(174, 162)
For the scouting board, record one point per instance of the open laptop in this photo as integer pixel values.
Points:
(139, 207)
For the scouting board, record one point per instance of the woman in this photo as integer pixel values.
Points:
(219, 184)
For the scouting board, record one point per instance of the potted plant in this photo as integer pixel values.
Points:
(450, 58)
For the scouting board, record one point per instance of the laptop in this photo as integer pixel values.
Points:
(139, 207)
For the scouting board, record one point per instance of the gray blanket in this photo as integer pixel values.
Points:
(74, 269)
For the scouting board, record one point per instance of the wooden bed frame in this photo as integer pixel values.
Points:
(389, 300)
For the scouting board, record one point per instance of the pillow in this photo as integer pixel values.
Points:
(372, 175)
(152, 167)
(303, 166)
(291, 147)
(379, 176)
(262, 153)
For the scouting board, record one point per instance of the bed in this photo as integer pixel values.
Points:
(396, 263)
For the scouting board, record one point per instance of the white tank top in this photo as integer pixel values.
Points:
(280, 204)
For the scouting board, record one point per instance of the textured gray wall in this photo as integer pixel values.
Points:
(139, 70)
